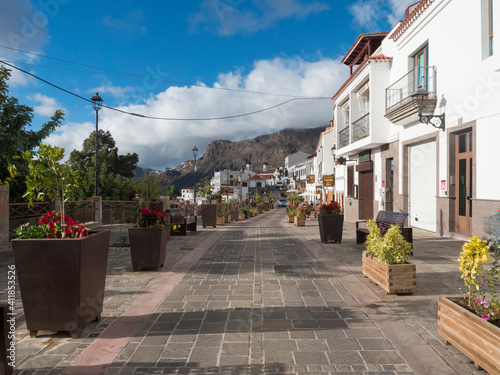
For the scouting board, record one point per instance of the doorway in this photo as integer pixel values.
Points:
(464, 171)
(389, 184)
(366, 195)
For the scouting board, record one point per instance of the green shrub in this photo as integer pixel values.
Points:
(392, 248)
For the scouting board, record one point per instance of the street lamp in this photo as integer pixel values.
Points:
(195, 152)
(437, 121)
(97, 104)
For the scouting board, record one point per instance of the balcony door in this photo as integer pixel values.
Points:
(421, 64)
(464, 168)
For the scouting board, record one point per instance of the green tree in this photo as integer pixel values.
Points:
(16, 138)
(115, 171)
(148, 188)
(48, 178)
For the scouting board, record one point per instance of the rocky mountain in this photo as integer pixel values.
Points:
(221, 154)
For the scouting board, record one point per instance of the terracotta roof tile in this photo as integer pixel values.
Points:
(410, 19)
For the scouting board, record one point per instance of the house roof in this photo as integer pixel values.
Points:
(256, 177)
(366, 44)
(367, 60)
(413, 12)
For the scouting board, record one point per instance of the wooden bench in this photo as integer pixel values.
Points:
(385, 219)
(184, 222)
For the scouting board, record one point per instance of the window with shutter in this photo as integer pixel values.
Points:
(350, 181)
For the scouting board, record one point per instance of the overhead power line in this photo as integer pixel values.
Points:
(135, 76)
(160, 118)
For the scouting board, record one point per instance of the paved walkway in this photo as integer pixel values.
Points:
(258, 296)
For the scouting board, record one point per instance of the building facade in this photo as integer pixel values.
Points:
(418, 119)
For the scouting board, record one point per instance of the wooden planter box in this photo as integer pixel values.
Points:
(290, 219)
(62, 281)
(299, 221)
(227, 218)
(477, 338)
(148, 247)
(221, 220)
(208, 215)
(234, 215)
(241, 216)
(393, 278)
(331, 227)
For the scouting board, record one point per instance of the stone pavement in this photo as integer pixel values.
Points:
(258, 296)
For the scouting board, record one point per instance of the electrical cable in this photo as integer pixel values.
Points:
(135, 76)
(160, 118)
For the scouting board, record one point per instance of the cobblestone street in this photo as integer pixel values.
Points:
(259, 296)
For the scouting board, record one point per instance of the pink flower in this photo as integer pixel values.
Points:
(485, 317)
(479, 300)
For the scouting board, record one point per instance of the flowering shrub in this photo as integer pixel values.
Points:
(290, 209)
(483, 294)
(151, 218)
(49, 226)
(392, 248)
(332, 208)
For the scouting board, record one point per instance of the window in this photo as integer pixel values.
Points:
(490, 26)
(421, 60)
(350, 181)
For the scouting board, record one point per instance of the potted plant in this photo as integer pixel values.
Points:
(148, 240)
(241, 213)
(290, 213)
(221, 214)
(209, 210)
(61, 270)
(300, 216)
(331, 222)
(385, 260)
(471, 322)
(234, 209)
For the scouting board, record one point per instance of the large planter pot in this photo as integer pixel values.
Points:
(221, 220)
(227, 218)
(62, 281)
(265, 206)
(241, 216)
(148, 247)
(477, 338)
(331, 227)
(299, 221)
(393, 278)
(208, 215)
(234, 215)
(290, 218)
(246, 215)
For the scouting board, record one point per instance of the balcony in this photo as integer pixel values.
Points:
(360, 129)
(344, 137)
(400, 105)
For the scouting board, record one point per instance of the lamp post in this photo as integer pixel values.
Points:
(195, 152)
(437, 121)
(97, 104)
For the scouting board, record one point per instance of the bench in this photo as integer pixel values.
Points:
(384, 220)
(185, 223)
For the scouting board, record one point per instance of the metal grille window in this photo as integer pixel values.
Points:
(350, 181)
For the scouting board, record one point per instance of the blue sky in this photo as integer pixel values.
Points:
(281, 47)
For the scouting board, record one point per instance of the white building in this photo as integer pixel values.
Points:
(444, 59)
(187, 194)
(324, 165)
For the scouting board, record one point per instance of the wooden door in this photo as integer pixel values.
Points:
(366, 195)
(389, 184)
(464, 168)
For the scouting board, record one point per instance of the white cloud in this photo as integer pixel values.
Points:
(70, 136)
(377, 14)
(47, 106)
(230, 17)
(168, 143)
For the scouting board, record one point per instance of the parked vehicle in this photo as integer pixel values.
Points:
(282, 202)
